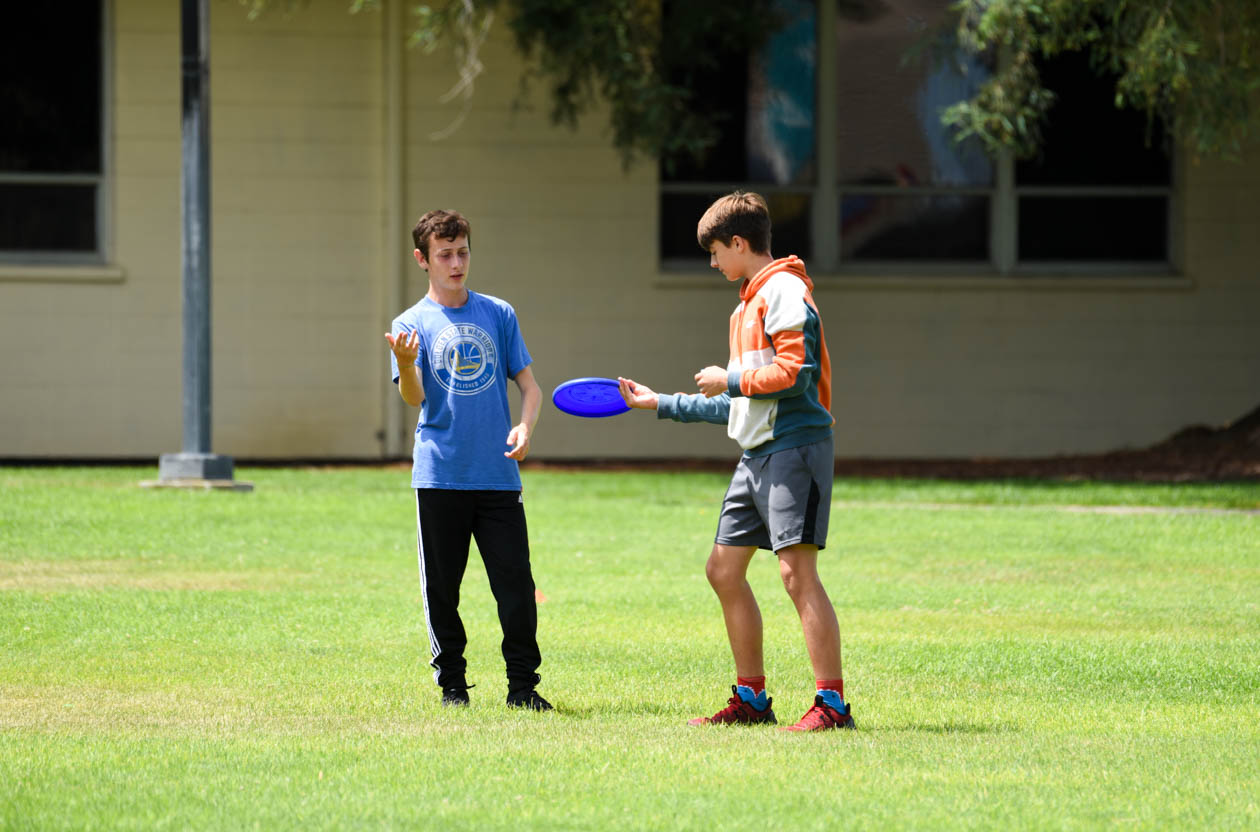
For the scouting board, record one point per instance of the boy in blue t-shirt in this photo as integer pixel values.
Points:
(452, 355)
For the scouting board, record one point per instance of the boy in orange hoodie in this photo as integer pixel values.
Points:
(774, 396)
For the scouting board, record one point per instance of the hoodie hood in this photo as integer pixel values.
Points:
(790, 264)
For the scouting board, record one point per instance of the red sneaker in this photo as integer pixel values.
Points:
(823, 717)
(737, 711)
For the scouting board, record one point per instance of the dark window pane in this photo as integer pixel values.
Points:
(1108, 229)
(47, 217)
(50, 87)
(1087, 140)
(763, 105)
(889, 107)
(781, 100)
(721, 100)
(680, 213)
(880, 227)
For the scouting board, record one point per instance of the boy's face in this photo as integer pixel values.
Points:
(447, 263)
(728, 259)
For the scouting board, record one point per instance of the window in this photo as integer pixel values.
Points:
(842, 134)
(51, 148)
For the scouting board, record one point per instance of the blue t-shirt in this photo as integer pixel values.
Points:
(467, 354)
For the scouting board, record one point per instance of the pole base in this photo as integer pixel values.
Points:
(194, 470)
(194, 466)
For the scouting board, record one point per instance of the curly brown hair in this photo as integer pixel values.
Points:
(447, 225)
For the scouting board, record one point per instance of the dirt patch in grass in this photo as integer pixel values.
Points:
(56, 576)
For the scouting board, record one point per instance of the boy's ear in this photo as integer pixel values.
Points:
(419, 255)
(739, 244)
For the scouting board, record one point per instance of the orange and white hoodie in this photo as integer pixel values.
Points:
(779, 373)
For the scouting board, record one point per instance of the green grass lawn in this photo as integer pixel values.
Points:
(1015, 661)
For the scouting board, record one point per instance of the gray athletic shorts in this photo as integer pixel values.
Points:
(780, 499)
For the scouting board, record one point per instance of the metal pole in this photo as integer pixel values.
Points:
(196, 236)
(196, 463)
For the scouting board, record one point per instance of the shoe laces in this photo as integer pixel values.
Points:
(737, 710)
(735, 707)
(821, 715)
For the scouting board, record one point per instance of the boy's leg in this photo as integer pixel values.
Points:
(798, 567)
(503, 539)
(796, 490)
(740, 533)
(727, 571)
(444, 530)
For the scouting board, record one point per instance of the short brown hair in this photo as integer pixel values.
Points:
(742, 214)
(447, 225)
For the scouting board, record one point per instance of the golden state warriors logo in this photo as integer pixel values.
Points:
(464, 359)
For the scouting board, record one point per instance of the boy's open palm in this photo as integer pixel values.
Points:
(406, 347)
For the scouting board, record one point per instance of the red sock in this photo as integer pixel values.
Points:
(757, 683)
(831, 684)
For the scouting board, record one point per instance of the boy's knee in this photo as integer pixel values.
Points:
(723, 572)
(791, 580)
(798, 569)
(716, 572)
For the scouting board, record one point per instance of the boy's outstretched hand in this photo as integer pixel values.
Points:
(637, 395)
(406, 347)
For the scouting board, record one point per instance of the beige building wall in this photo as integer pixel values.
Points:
(317, 179)
(92, 357)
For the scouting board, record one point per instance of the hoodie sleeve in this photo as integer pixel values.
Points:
(694, 407)
(790, 368)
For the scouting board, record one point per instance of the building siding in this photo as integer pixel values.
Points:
(303, 264)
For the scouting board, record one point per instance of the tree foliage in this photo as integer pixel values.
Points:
(1194, 64)
(640, 56)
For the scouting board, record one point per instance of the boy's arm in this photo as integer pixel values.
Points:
(406, 349)
(531, 402)
(792, 326)
(679, 406)
(785, 376)
(695, 407)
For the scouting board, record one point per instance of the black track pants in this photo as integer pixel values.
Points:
(446, 521)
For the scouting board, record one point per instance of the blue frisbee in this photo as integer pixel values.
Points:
(592, 398)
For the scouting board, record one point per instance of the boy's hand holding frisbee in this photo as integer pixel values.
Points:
(637, 395)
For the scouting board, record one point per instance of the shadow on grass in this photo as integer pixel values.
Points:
(959, 728)
(603, 712)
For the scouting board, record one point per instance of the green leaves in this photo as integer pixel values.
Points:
(1191, 63)
(636, 55)
(1195, 64)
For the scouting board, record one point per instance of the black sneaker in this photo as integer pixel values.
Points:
(456, 696)
(528, 699)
